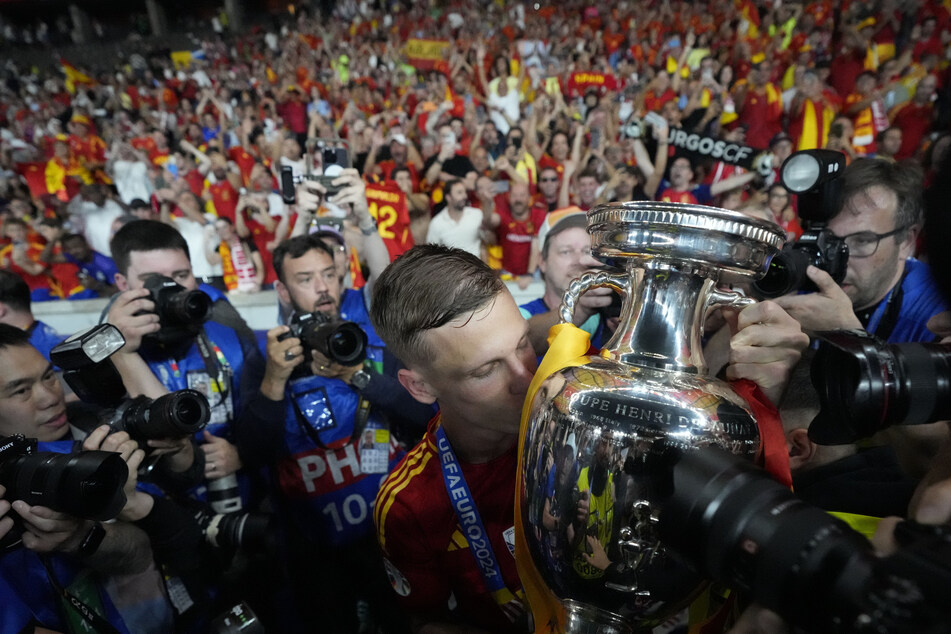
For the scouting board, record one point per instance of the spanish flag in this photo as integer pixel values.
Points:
(75, 76)
(750, 14)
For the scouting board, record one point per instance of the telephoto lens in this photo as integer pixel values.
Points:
(175, 415)
(866, 385)
(234, 530)
(87, 484)
(734, 523)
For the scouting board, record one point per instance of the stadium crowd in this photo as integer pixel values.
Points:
(306, 154)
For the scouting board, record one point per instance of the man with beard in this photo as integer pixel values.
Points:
(886, 291)
(515, 223)
(548, 185)
(325, 426)
(458, 225)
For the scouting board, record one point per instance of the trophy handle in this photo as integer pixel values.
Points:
(733, 299)
(619, 282)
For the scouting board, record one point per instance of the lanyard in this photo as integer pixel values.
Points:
(886, 313)
(89, 616)
(470, 521)
(214, 364)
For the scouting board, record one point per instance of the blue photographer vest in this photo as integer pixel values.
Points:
(322, 478)
(354, 308)
(224, 398)
(190, 372)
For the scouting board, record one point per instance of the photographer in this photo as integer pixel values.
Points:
(219, 357)
(885, 291)
(309, 418)
(59, 550)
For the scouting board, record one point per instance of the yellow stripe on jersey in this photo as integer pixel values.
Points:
(396, 484)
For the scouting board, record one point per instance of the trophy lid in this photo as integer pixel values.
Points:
(680, 233)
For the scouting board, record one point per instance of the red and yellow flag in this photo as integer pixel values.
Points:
(75, 76)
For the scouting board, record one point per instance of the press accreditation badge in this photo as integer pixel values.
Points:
(217, 393)
(375, 450)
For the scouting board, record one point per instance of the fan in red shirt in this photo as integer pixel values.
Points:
(556, 154)
(515, 222)
(915, 117)
(222, 189)
(759, 103)
(88, 148)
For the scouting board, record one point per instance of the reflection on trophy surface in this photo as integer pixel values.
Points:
(594, 454)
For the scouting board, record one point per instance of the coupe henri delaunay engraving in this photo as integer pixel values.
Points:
(597, 432)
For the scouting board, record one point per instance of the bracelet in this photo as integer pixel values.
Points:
(368, 230)
(91, 541)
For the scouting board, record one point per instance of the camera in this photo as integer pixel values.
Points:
(175, 305)
(233, 530)
(342, 342)
(787, 270)
(866, 385)
(176, 415)
(813, 176)
(86, 484)
(735, 524)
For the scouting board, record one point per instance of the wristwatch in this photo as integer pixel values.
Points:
(369, 229)
(360, 380)
(92, 540)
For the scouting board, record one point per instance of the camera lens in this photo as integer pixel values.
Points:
(86, 484)
(786, 273)
(865, 385)
(343, 342)
(188, 307)
(347, 344)
(736, 525)
(174, 415)
(234, 530)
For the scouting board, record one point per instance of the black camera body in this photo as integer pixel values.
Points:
(175, 305)
(813, 176)
(86, 484)
(732, 522)
(178, 414)
(866, 385)
(787, 270)
(342, 342)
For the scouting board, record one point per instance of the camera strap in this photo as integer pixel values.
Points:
(214, 364)
(89, 616)
(470, 521)
(884, 318)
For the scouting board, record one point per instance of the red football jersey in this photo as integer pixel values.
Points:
(427, 556)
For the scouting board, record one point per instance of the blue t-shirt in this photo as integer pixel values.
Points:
(44, 338)
(920, 301)
(102, 268)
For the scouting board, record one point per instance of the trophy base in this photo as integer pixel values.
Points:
(581, 618)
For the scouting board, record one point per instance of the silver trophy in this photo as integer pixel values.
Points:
(598, 433)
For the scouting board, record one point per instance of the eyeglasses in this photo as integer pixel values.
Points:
(547, 180)
(865, 243)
